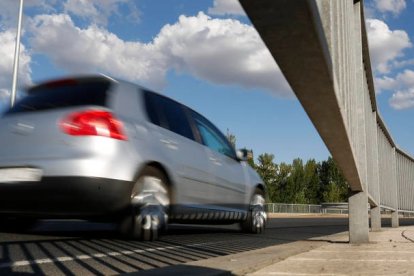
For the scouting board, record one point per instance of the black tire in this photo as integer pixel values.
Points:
(255, 222)
(148, 214)
(17, 224)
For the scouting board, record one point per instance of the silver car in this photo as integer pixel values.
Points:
(99, 148)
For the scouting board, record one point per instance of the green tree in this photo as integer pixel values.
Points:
(250, 158)
(296, 190)
(333, 193)
(282, 182)
(232, 138)
(309, 183)
(334, 187)
(267, 170)
(312, 182)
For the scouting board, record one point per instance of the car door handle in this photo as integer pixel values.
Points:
(170, 143)
(165, 141)
(215, 161)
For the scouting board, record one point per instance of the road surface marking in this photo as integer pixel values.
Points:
(97, 255)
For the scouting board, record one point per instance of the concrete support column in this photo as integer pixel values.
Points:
(358, 218)
(395, 222)
(376, 219)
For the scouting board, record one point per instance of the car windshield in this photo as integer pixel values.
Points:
(63, 93)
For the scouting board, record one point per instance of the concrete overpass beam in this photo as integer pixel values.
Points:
(297, 36)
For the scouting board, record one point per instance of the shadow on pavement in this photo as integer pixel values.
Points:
(183, 270)
(78, 247)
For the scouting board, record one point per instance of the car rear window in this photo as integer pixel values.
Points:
(63, 93)
(168, 114)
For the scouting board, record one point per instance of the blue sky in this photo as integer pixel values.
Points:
(207, 55)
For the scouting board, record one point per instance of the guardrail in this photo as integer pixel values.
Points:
(324, 208)
(306, 208)
(292, 208)
(331, 208)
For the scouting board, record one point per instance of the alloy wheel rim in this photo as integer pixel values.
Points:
(152, 191)
(259, 215)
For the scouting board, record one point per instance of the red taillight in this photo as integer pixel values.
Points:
(61, 83)
(93, 123)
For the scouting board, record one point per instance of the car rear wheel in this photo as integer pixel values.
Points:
(256, 216)
(150, 202)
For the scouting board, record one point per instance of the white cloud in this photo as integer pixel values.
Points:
(94, 11)
(99, 11)
(387, 50)
(95, 49)
(403, 81)
(384, 83)
(220, 51)
(8, 13)
(391, 6)
(406, 78)
(223, 7)
(4, 95)
(385, 45)
(9, 10)
(403, 63)
(402, 99)
(7, 47)
(403, 84)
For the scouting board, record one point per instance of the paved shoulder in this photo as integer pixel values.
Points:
(390, 252)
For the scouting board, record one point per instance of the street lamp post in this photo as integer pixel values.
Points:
(16, 56)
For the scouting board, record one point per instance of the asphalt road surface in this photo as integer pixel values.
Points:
(84, 248)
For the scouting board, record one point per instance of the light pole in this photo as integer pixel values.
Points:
(16, 56)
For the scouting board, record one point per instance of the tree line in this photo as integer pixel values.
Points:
(300, 182)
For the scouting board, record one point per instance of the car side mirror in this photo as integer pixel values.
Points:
(242, 154)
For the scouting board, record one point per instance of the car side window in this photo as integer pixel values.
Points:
(212, 137)
(150, 105)
(168, 114)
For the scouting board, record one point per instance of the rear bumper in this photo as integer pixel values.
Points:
(65, 197)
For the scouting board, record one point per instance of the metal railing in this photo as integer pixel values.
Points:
(292, 208)
(306, 208)
(384, 171)
(321, 46)
(373, 149)
(325, 208)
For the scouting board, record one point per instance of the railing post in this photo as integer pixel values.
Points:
(376, 219)
(395, 219)
(358, 218)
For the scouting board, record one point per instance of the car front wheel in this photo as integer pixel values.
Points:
(256, 216)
